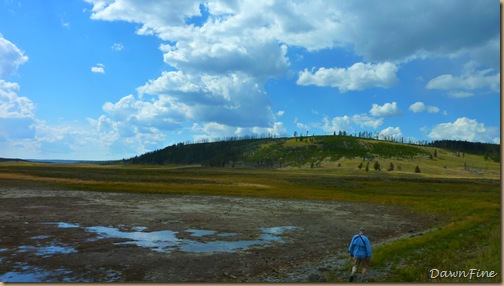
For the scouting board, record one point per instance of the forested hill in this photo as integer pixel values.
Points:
(478, 148)
(297, 152)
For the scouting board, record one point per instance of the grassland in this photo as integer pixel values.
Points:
(463, 191)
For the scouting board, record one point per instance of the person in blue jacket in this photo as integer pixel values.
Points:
(360, 251)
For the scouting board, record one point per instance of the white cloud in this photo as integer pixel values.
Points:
(464, 129)
(280, 113)
(460, 94)
(365, 121)
(391, 133)
(345, 123)
(16, 112)
(277, 129)
(399, 32)
(164, 113)
(214, 130)
(302, 126)
(234, 99)
(11, 57)
(98, 68)
(336, 124)
(468, 81)
(223, 63)
(359, 76)
(12, 105)
(117, 47)
(421, 107)
(387, 110)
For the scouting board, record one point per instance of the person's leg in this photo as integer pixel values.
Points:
(356, 262)
(365, 264)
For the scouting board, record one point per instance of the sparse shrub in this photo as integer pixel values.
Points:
(417, 169)
(377, 166)
(391, 167)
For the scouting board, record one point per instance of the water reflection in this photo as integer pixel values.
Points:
(167, 240)
(157, 240)
(205, 241)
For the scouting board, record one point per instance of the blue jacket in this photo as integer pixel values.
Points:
(360, 248)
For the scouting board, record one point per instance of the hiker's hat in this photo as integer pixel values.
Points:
(362, 228)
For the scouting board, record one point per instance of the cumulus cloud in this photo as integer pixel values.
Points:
(421, 107)
(398, 32)
(235, 99)
(222, 62)
(16, 114)
(346, 122)
(468, 81)
(12, 105)
(365, 121)
(391, 133)
(359, 76)
(464, 129)
(213, 130)
(98, 68)
(11, 57)
(386, 110)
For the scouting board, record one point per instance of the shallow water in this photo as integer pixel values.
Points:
(160, 241)
(167, 240)
(28, 274)
(46, 250)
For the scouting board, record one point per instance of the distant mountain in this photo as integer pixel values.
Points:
(58, 161)
(11, 160)
(293, 152)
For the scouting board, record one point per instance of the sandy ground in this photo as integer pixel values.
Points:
(77, 236)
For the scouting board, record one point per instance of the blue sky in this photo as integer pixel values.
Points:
(111, 79)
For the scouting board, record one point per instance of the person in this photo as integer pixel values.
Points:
(360, 251)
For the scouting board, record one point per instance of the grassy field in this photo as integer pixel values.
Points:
(468, 198)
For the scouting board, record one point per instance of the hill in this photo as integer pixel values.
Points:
(11, 160)
(312, 151)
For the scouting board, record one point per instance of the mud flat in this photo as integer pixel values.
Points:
(77, 236)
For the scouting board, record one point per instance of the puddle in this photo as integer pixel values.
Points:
(227, 234)
(160, 241)
(167, 241)
(156, 240)
(64, 224)
(38, 237)
(29, 274)
(200, 232)
(46, 250)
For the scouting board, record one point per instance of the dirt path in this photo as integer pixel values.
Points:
(77, 236)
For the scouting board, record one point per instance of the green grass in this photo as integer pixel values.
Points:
(467, 236)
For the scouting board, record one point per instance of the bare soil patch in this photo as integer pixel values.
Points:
(61, 235)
